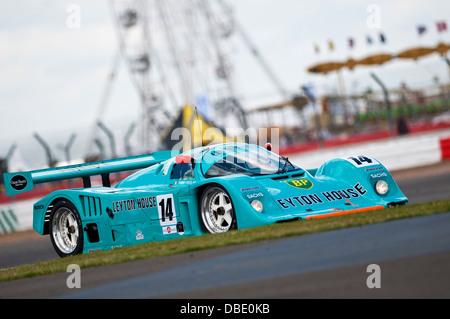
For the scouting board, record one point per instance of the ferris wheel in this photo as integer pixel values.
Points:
(180, 52)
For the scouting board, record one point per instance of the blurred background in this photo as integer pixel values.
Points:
(91, 80)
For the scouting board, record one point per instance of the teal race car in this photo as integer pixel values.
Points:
(211, 189)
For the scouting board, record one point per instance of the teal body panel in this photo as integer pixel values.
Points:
(151, 205)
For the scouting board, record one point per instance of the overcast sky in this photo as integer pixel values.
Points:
(52, 76)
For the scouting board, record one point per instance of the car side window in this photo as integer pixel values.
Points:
(182, 171)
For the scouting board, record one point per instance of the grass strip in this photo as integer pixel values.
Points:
(208, 241)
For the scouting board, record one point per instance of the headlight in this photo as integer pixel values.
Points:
(381, 187)
(257, 205)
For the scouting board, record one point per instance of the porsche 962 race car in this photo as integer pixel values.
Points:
(210, 189)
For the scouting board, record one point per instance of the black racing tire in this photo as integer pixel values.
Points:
(217, 210)
(65, 228)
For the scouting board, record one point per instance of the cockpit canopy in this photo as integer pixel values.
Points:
(240, 158)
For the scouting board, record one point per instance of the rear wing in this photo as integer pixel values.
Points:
(20, 182)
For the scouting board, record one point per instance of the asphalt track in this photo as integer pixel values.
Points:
(413, 255)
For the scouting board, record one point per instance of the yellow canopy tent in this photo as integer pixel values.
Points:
(415, 53)
(326, 67)
(376, 59)
(190, 130)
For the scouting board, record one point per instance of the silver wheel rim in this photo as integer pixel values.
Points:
(217, 211)
(65, 230)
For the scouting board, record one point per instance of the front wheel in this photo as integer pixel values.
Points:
(66, 231)
(217, 210)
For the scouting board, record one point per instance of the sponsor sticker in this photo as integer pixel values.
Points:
(18, 182)
(362, 161)
(169, 230)
(302, 183)
(378, 175)
(257, 195)
(166, 210)
(326, 196)
(373, 169)
(133, 204)
(139, 235)
(249, 189)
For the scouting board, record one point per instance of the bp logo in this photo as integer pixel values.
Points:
(302, 183)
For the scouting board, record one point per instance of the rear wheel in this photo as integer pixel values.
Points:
(66, 231)
(217, 210)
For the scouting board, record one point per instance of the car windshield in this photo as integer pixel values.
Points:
(249, 160)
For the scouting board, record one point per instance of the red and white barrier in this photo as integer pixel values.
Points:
(445, 148)
(395, 153)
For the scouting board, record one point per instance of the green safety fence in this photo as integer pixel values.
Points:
(8, 221)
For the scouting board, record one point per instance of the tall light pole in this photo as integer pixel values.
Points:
(388, 104)
(318, 126)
